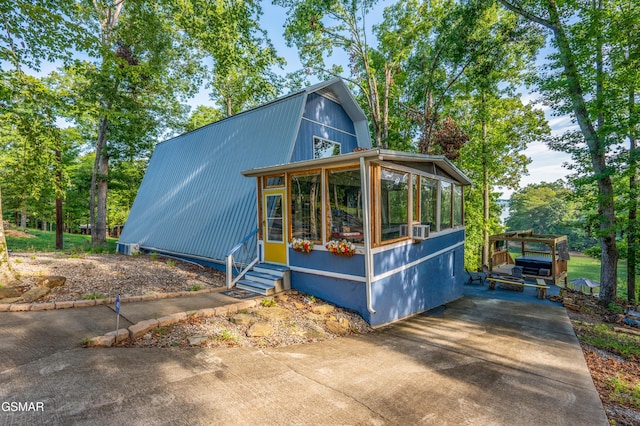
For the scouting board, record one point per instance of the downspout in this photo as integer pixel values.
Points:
(368, 260)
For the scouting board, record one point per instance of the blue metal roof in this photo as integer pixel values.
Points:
(194, 201)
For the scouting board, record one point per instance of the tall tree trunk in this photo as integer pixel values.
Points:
(485, 189)
(59, 217)
(597, 151)
(95, 178)
(632, 229)
(7, 274)
(101, 221)
(23, 216)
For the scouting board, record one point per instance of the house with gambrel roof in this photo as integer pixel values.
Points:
(382, 232)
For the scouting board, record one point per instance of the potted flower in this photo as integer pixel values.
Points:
(301, 245)
(341, 248)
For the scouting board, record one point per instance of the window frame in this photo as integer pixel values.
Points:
(308, 172)
(266, 178)
(327, 199)
(334, 143)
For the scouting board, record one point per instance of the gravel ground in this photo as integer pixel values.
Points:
(106, 275)
(291, 319)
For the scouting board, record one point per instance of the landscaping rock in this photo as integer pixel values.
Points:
(19, 307)
(260, 329)
(197, 340)
(51, 282)
(119, 335)
(323, 309)
(9, 292)
(242, 319)
(274, 313)
(338, 327)
(142, 328)
(84, 303)
(42, 306)
(35, 293)
(315, 333)
(207, 312)
(315, 317)
(281, 297)
(101, 341)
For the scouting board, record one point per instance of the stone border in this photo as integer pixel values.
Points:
(143, 327)
(22, 307)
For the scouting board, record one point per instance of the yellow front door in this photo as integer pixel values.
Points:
(275, 226)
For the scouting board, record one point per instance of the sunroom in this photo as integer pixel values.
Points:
(376, 231)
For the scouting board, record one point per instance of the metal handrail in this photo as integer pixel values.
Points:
(241, 258)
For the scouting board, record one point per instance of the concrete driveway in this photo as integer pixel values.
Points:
(476, 362)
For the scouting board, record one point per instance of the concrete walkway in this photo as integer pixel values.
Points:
(478, 361)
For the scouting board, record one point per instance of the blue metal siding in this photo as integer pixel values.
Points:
(417, 289)
(193, 199)
(321, 118)
(397, 257)
(330, 113)
(324, 261)
(412, 289)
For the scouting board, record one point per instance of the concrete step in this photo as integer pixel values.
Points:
(271, 269)
(256, 287)
(262, 278)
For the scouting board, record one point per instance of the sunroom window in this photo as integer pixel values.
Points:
(394, 203)
(306, 206)
(457, 206)
(429, 202)
(345, 206)
(445, 205)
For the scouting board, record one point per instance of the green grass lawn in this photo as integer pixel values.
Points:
(588, 267)
(46, 241)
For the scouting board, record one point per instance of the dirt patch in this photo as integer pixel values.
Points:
(17, 234)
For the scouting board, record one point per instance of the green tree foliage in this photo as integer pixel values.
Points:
(129, 89)
(243, 59)
(498, 124)
(591, 75)
(320, 28)
(202, 116)
(31, 169)
(550, 208)
(32, 31)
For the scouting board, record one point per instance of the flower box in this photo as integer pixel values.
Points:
(341, 248)
(301, 245)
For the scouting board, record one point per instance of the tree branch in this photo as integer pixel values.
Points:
(530, 16)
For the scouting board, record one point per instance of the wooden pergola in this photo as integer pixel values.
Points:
(541, 248)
